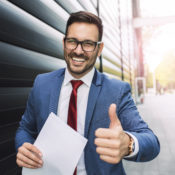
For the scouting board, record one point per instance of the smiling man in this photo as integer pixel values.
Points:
(81, 48)
(99, 108)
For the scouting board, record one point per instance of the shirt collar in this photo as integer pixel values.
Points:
(87, 79)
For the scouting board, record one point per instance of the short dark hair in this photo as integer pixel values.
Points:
(87, 17)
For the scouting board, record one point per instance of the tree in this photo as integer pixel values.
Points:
(149, 76)
(165, 71)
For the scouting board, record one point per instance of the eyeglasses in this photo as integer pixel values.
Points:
(86, 45)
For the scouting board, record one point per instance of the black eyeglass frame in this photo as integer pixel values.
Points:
(81, 43)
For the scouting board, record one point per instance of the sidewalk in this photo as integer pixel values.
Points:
(159, 112)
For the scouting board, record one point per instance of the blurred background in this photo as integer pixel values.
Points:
(139, 38)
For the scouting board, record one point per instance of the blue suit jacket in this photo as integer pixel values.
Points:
(43, 99)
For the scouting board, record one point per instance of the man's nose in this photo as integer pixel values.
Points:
(79, 49)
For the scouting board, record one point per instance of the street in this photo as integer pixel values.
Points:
(159, 112)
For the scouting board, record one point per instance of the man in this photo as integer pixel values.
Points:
(106, 113)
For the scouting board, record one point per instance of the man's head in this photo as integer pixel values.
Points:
(86, 17)
(81, 42)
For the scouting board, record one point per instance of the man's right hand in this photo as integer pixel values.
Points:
(29, 156)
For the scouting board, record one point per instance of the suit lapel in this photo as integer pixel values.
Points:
(93, 95)
(55, 91)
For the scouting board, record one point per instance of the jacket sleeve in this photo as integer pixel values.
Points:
(131, 121)
(27, 131)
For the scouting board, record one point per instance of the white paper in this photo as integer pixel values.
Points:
(61, 147)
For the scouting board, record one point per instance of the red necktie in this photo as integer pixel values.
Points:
(72, 112)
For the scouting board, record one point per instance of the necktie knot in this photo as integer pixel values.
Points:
(76, 84)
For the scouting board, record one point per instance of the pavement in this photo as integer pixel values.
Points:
(159, 112)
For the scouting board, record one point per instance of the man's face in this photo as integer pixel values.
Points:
(80, 62)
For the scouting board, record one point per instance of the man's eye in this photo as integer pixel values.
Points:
(88, 44)
(71, 41)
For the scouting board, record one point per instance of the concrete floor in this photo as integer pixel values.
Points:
(159, 112)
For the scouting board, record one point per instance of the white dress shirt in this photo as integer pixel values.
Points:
(82, 99)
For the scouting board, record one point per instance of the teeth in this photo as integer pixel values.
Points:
(78, 59)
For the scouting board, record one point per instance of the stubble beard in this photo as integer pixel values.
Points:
(82, 71)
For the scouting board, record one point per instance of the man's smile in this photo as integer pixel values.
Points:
(78, 59)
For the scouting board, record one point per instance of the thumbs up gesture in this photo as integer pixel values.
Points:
(112, 143)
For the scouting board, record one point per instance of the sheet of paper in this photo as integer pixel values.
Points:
(61, 147)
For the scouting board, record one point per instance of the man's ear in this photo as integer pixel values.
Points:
(100, 48)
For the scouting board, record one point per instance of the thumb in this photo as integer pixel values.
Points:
(114, 121)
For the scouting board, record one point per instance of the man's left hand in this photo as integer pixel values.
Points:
(112, 143)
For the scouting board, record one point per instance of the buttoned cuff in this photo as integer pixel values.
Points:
(136, 149)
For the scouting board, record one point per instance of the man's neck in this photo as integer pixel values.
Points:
(79, 76)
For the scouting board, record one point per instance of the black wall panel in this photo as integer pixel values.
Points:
(21, 29)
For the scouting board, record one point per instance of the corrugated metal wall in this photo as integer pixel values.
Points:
(118, 54)
(31, 35)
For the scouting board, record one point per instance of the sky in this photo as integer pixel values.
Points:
(163, 37)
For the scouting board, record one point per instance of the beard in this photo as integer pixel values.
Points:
(85, 69)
